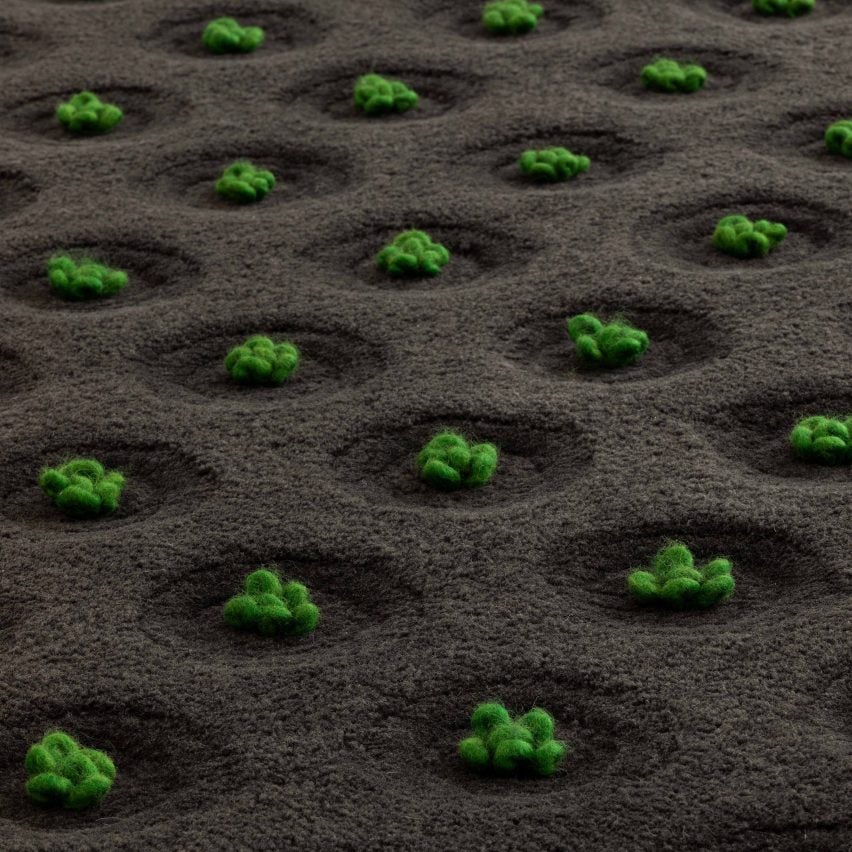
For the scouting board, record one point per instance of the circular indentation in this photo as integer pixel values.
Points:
(801, 133)
(17, 375)
(536, 459)
(743, 10)
(16, 43)
(17, 191)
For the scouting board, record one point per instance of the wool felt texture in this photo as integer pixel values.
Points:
(823, 440)
(82, 488)
(244, 183)
(86, 113)
(669, 75)
(61, 773)
(553, 164)
(737, 235)
(225, 35)
(272, 608)
(838, 137)
(790, 8)
(612, 344)
(376, 95)
(261, 361)
(84, 279)
(449, 461)
(413, 254)
(511, 17)
(673, 580)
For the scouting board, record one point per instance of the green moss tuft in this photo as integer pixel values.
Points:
(244, 183)
(84, 279)
(412, 254)
(838, 137)
(669, 75)
(614, 344)
(376, 95)
(225, 35)
(553, 164)
(523, 746)
(86, 113)
(272, 608)
(673, 580)
(511, 17)
(738, 236)
(790, 8)
(824, 440)
(448, 462)
(260, 361)
(61, 773)
(82, 488)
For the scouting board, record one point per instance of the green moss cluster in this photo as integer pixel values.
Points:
(244, 183)
(824, 440)
(511, 17)
(553, 164)
(61, 773)
(225, 35)
(838, 137)
(737, 235)
(376, 95)
(412, 254)
(85, 112)
(84, 279)
(449, 461)
(82, 488)
(272, 608)
(790, 8)
(673, 580)
(669, 75)
(525, 745)
(261, 361)
(614, 344)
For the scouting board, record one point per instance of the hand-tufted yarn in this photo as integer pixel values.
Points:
(411, 254)
(614, 344)
(553, 164)
(376, 95)
(225, 35)
(511, 17)
(244, 183)
(825, 440)
(261, 361)
(738, 236)
(838, 137)
(272, 608)
(523, 746)
(82, 488)
(674, 581)
(63, 773)
(449, 461)
(669, 75)
(84, 279)
(86, 113)
(790, 8)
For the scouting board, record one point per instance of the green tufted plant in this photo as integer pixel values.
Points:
(790, 8)
(838, 137)
(738, 236)
(449, 461)
(523, 746)
(511, 17)
(673, 580)
(669, 75)
(614, 344)
(261, 361)
(244, 183)
(84, 279)
(824, 440)
(225, 35)
(376, 95)
(86, 113)
(61, 773)
(553, 164)
(82, 488)
(412, 254)
(272, 608)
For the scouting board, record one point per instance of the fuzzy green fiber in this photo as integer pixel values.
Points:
(500, 744)
(225, 35)
(739, 236)
(669, 75)
(62, 773)
(412, 254)
(790, 8)
(244, 183)
(838, 137)
(86, 113)
(825, 440)
(272, 608)
(376, 95)
(674, 581)
(511, 17)
(260, 361)
(82, 488)
(614, 344)
(84, 279)
(553, 164)
(448, 462)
